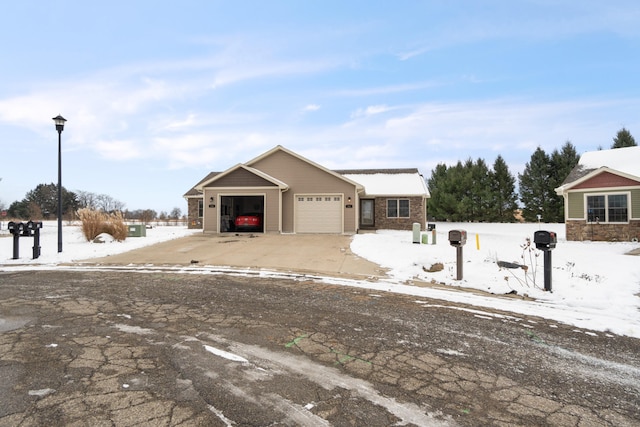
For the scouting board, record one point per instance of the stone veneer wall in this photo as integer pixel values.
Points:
(193, 221)
(582, 230)
(416, 214)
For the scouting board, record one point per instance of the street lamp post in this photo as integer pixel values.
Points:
(59, 127)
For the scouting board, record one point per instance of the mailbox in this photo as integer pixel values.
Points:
(28, 229)
(431, 226)
(15, 228)
(457, 237)
(545, 240)
(34, 225)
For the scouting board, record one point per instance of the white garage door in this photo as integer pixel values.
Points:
(318, 213)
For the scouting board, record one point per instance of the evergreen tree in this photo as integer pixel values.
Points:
(562, 163)
(502, 193)
(19, 209)
(438, 205)
(624, 139)
(534, 187)
(479, 191)
(42, 201)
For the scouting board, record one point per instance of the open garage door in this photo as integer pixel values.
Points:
(242, 213)
(318, 213)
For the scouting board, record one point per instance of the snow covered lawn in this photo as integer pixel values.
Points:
(594, 284)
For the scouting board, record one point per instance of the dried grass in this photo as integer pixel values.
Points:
(95, 223)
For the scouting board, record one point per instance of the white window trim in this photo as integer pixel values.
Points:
(606, 206)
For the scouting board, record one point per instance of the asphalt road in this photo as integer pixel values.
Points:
(123, 348)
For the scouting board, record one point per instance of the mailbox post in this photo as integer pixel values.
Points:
(457, 239)
(15, 228)
(30, 229)
(34, 230)
(546, 242)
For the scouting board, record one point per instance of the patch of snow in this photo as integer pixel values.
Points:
(225, 354)
(42, 392)
(133, 329)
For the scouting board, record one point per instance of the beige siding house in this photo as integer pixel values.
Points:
(602, 196)
(295, 195)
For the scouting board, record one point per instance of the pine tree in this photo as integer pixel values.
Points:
(561, 165)
(438, 206)
(623, 139)
(480, 191)
(502, 193)
(534, 187)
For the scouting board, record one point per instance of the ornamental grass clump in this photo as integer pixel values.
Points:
(95, 223)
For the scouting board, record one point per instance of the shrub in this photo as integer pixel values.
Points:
(97, 222)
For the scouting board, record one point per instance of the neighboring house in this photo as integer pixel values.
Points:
(292, 194)
(602, 196)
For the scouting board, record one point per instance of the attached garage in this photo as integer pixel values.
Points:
(233, 206)
(318, 213)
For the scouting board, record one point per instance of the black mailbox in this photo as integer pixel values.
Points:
(545, 240)
(15, 228)
(431, 226)
(34, 225)
(457, 237)
(27, 229)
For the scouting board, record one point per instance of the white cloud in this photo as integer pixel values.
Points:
(370, 111)
(311, 107)
(119, 150)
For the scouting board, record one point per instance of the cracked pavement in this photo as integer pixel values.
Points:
(122, 348)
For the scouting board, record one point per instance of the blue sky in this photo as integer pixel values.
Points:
(157, 94)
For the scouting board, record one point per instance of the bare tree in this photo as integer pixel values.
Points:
(108, 204)
(175, 213)
(87, 199)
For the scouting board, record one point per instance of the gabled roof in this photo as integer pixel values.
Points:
(274, 181)
(389, 182)
(298, 156)
(373, 182)
(624, 162)
(194, 192)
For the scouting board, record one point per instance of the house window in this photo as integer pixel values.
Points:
(607, 208)
(617, 211)
(596, 208)
(200, 208)
(397, 208)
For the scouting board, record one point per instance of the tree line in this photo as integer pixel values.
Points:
(471, 191)
(42, 203)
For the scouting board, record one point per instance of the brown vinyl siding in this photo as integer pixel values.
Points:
(241, 178)
(303, 178)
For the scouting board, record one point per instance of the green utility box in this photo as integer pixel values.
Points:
(137, 230)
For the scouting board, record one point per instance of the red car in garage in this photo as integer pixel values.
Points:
(249, 222)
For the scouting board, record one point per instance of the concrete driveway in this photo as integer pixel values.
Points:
(325, 254)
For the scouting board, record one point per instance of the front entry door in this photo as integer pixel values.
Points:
(367, 216)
